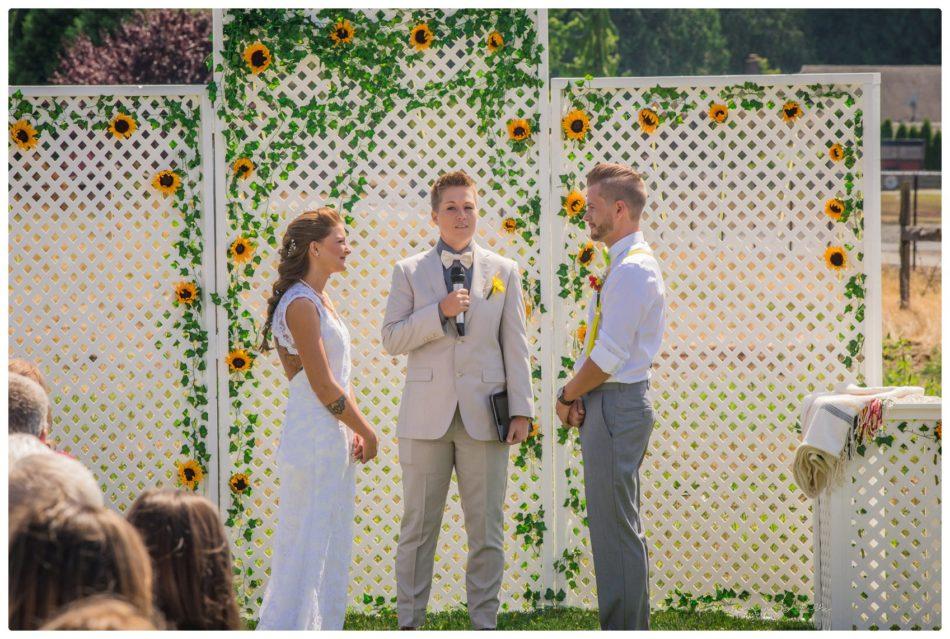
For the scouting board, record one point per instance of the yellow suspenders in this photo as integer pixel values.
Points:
(595, 323)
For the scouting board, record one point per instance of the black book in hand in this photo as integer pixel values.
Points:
(499, 410)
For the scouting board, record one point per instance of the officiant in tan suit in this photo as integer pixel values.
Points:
(445, 418)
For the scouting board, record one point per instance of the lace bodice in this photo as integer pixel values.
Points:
(336, 337)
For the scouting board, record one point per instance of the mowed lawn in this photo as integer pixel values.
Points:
(573, 619)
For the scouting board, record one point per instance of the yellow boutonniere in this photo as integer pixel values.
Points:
(495, 285)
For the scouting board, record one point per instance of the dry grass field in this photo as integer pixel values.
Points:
(928, 206)
(912, 349)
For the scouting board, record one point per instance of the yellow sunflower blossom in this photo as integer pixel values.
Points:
(23, 134)
(257, 56)
(574, 203)
(242, 250)
(581, 333)
(510, 225)
(519, 129)
(190, 473)
(243, 168)
(186, 293)
(122, 126)
(836, 258)
(420, 37)
(494, 41)
(648, 120)
(834, 208)
(938, 431)
(586, 254)
(791, 111)
(497, 286)
(343, 32)
(836, 152)
(239, 360)
(718, 113)
(239, 483)
(575, 124)
(167, 182)
(535, 429)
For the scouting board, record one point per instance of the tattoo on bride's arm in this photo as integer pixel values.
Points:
(337, 407)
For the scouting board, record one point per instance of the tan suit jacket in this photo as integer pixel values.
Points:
(444, 370)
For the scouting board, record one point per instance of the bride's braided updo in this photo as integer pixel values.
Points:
(312, 226)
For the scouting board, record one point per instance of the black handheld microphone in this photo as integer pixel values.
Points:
(458, 281)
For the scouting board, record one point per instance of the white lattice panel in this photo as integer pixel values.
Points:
(879, 565)
(391, 222)
(90, 278)
(735, 216)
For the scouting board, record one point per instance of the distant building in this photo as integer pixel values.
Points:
(902, 155)
(909, 93)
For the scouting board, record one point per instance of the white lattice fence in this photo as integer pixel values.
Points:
(92, 274)
(755, 318)
(391, 221)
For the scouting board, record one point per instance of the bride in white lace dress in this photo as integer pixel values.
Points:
(324, 434)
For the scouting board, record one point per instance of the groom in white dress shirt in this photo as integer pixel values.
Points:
(445, 418)
(608, 395)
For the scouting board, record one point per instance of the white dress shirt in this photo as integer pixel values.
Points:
(632, 314)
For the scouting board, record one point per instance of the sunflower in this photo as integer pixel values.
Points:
(167, 182)
(510, 225)
(574, 203)
(186, 293)
(242, 250)
(519, 129)
(343, 32)
(257, 56)
(23, 134)
(190, 473)
(243, 168)
(239, 361)
(791, 111)
(836, 152)
(836, 258)
(239, 483)
(581, 333)
(535, 429)
(575, 124)
(718, 112)
(122, 126)
(834, 208)
(586, 255)
(648, 120)
(938, 431)
(421, 37)
(494, 41)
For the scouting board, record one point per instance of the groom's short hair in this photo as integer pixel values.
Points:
(444, 181)
(620, 182)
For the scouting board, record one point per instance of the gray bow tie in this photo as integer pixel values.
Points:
(449, 257)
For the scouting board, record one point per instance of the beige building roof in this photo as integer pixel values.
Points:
(898, 85)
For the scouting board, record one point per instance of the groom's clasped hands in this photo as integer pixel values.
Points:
(572, 415)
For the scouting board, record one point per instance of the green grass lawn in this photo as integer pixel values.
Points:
(573, 619)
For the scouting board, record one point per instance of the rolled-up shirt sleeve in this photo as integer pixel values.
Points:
(626, 295)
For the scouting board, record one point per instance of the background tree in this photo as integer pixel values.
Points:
(37, 36)
(777, 34)
(901, 132)
(164, 46)
(936, 152)
(887, 130)
(582, 42)
(670, 42)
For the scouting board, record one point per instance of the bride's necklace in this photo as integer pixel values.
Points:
(326, 300)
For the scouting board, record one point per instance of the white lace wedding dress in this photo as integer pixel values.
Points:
(312, 546)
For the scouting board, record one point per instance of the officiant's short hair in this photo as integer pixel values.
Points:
(620, 182)
(446, 180)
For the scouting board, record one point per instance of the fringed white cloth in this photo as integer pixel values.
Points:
(833, 424)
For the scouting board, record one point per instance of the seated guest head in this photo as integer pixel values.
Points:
(31, 371)
(100, 612)
(68, 551)
(28, 409)
(20, 445)
(46, 479)
(191, 560)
